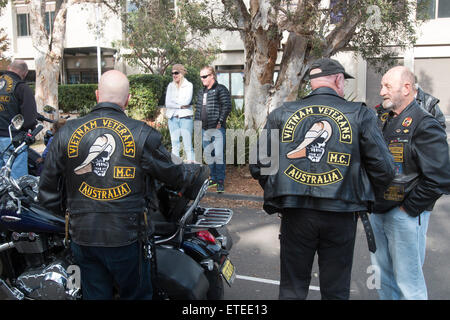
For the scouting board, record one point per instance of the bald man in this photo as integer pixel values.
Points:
(16, 97)
(102, 159)
(419, 146)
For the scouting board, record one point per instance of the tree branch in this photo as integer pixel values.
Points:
(342, 34)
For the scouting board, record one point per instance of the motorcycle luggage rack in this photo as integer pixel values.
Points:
(212, 218)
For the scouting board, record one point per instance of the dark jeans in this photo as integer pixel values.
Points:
(214, 147)
(102, 268)
(305, 232)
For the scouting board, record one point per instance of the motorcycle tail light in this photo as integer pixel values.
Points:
(206, 236)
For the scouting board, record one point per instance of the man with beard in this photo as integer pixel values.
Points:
(419, 146)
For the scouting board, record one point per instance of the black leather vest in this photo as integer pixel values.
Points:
(104, 181)
(9, 106)
(320, 163)
(398, 133)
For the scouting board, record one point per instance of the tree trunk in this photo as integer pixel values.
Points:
(47, 72)
(261, 55)
(49, 51)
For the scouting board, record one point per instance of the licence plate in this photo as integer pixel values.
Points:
(228, 272)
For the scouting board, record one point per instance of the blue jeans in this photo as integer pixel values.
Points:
(182, 128)
(401, 244)
(102, 267)
(20, 165)
(214, 142)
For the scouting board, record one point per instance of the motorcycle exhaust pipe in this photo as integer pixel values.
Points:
(7, 293)
(6, 246)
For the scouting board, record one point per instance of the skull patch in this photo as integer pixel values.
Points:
(314, 144)
(99, 155)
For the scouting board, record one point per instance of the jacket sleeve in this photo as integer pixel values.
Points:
(50, 182)
(27, 106)
(375, 156)
(225, 103)
(159, 163)
(431, 153)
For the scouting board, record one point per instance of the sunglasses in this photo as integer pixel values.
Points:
(175, 73)
(204, 77)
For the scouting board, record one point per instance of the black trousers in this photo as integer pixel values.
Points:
(102, 267)
(305, 232)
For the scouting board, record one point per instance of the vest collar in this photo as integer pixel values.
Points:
(324, 90)
(108, 105)
(14, 75)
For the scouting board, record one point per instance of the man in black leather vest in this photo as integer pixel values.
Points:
(103, 158)
(419, 146)
(16, 97)
(331, 158)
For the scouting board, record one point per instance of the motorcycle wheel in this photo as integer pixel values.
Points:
(216, 290)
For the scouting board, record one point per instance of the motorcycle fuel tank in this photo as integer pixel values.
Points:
(31, 219)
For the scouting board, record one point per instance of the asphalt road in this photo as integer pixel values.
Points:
(255, 254)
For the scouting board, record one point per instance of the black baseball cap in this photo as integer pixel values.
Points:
(325, 67)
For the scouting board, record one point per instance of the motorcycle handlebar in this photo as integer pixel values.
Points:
(40, 117)
(30, 136)
(29, 192)
(36, 130)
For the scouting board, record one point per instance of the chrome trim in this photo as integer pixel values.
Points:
(212, 218)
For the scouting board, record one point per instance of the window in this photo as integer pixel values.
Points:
(23, 25)
(433, 9)
(443, 8)
(83, 76)
(49, 18)
(233, 79)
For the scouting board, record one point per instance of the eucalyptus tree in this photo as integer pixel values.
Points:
(300, 31)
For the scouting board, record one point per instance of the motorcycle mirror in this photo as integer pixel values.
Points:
(17, 121)
(49, 109)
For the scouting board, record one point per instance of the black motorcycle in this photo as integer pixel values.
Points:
(190, 243)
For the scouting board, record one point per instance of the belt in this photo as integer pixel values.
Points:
(186, 117)
(369, 232)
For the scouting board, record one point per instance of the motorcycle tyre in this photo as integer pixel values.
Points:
(216, 288)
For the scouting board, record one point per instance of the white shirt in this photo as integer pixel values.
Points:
(177, 97)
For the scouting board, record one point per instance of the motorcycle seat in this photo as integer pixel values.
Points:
(161, 226)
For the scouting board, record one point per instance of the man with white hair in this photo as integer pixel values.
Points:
(418, 143)
(331, 158)
(102, 159)
(16, 97)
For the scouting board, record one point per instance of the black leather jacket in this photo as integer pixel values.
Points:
(419, 145)
(430, 103)
(218, 106)
(331, 155)
(103, 158)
